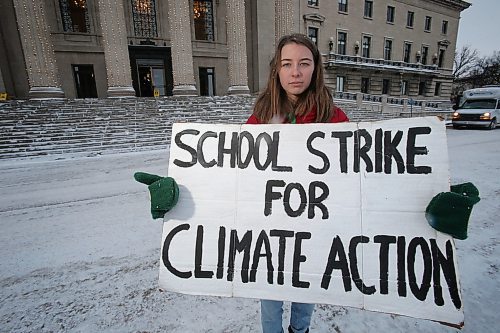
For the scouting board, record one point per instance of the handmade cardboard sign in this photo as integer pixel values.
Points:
(314, 213)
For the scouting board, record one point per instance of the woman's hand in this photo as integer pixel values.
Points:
(449, 212)
(163, 190)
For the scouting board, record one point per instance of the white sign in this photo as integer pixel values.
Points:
(314, 213)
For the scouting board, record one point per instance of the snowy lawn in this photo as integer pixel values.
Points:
(79, 252)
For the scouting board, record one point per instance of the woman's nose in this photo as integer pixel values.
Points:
(296, 71)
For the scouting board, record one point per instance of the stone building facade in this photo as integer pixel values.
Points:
(115, 48)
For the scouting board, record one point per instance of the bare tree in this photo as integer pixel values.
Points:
(465, 61)
(491, 72)
(486, 71)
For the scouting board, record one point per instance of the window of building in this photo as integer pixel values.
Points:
(391, 11)
(367, 40)
(421, 88)
(441, 58)
(437, 89)
(409, 19)
(313, 3)
(343, 6)
(75, 15)
(365, 85)
(312, 32)
(340, 83)
(84, 81)
(388, 49)
(425, 54)
(207, 81)
(203, 20)
(428, 23)
(368, 9)
(144, 18)
(444, 27)
(404, 87)
(341, 42)
(407, 52)
(386, 86)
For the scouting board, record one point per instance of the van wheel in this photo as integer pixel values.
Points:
(493, 124)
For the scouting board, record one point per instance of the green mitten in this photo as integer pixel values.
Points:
(449, 212)
(163, 190)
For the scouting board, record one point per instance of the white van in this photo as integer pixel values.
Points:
(479, 107)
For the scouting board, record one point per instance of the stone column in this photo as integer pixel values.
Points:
(359, 100)
(182, 50)
(283, 24)
(423, 107)
(383, 104)
(114, 35)
(405, 104)
(38, 50)
(237, 47)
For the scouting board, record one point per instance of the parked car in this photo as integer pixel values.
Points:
(479, 107)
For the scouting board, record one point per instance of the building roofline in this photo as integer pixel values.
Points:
(456, 4)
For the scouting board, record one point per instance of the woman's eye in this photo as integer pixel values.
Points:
(286, 65)
(304, 64)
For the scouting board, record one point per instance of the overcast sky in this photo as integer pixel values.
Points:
(480, 27)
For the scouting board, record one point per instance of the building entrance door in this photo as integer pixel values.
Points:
(145, 82)
(159, 80)
(84, 81)
(151, 71)
(151, 77)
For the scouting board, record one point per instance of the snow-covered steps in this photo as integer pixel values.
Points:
(50, 127)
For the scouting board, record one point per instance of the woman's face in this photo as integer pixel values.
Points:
(295, 69)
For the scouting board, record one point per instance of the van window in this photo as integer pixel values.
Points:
(479, 104)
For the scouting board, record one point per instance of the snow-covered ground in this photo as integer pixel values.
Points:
(80, 253)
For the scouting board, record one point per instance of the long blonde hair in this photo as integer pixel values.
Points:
(274, 101)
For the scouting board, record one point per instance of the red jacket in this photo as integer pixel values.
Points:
(310, 117)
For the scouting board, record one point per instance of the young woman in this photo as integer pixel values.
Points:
(296, 91)
(296, 94)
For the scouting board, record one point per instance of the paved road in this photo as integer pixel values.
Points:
(67, 210)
